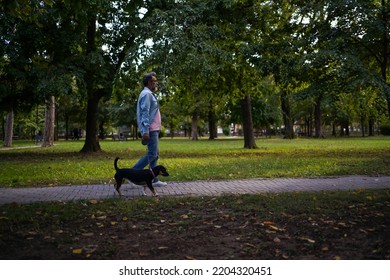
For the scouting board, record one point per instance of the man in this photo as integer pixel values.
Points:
(149, 123)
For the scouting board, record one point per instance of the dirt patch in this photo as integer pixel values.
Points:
(312, 226)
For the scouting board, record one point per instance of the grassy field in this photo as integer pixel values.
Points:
(316, 225)
(196, 160)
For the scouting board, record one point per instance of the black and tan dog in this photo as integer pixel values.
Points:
(139, 177)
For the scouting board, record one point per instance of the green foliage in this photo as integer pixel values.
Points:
(385, 129)
(208, 54)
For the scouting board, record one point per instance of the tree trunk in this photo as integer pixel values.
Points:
(213, 133)
(334, 133)
(91, 143)
(247, 123)
(385, 52)
(101, 130)
(9, 129)
(194, 127)
(172, 129)
(318, 119)
(66, 127)
(48, 134)
(344, 127)
(287, 119)
(371, 123)
(363, 126)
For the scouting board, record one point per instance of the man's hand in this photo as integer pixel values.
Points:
(145, 139)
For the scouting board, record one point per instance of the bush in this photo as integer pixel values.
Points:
(385, 129)
(226, 131)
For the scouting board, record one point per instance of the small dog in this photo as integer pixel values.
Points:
(139, 177)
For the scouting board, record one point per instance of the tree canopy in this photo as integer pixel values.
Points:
(282, 61)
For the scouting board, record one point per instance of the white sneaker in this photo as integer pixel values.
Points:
(159, 184)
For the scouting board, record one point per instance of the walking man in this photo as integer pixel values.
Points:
(149, 123)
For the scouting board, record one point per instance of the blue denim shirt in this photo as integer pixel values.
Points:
(147, 107)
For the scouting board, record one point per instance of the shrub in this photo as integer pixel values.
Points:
(385, 129)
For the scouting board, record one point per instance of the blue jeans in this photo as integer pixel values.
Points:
(151, 156)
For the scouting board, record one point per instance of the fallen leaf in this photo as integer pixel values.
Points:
(276, 240)
(184, 216)
(244, 225)
(88, 234)
(93, 201)
(276, 228)
(77, 251)
(113, 223)
(308, 239)
(250, 245)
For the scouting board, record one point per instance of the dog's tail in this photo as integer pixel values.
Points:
(116, 163)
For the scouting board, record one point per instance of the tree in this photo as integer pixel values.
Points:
(207, 54)
(48, 134)
(9, 124)
(19, 44)
(112, 32)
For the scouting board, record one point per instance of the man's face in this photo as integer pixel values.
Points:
(152, 84)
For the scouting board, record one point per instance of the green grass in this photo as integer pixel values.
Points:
(197, 160)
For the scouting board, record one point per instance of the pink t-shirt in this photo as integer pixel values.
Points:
(156, 124)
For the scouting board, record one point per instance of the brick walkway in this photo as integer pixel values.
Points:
(197, 188)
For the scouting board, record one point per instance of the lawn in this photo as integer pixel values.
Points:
(197, 160)
(322, 225)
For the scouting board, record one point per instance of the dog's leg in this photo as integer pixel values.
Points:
(150, 186)
(117, 186)
(143, 191)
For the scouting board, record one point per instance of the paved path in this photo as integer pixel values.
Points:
(197, 188)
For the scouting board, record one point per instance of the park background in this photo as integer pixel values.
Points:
(294, 88)
(251, 68)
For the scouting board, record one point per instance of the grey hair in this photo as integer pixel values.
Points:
(147, 77)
